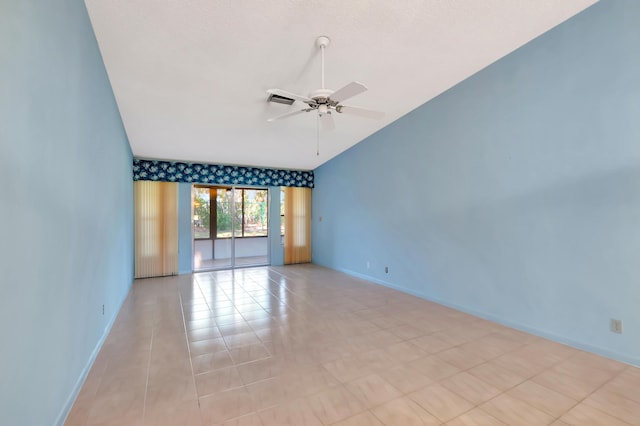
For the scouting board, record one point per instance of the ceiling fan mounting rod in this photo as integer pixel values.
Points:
(322, 42)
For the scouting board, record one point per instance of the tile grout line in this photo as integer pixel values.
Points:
(581, 401)
(578, 402)
(502, 392)
(306, 303)
(146, 385)
(186, 336)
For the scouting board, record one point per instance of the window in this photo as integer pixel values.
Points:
(254, 212)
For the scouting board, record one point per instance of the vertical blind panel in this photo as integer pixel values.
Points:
(297, 225)
(156, 228)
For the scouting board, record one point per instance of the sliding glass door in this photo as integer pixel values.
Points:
(230, 227)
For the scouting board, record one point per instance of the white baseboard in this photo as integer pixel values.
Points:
(66, 409)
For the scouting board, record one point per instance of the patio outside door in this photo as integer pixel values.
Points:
(230, 227)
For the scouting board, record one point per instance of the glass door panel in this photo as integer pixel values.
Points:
(230, 227)
(252, 246)
(237, 213)
(223, 243)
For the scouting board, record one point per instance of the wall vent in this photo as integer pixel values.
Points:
(280, 99)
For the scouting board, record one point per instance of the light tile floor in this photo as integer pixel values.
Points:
(304, 345)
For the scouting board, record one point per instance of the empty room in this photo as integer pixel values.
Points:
(359, 213)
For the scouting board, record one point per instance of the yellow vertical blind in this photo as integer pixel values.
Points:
(156, 228)
(297, 225)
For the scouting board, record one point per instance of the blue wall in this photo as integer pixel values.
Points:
(185, 233)
(515, 195)
(276, 247)
(66, 207)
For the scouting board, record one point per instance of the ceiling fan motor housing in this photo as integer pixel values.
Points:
(321, 96)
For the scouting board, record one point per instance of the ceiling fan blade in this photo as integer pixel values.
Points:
(327, 122)
(361, 112)
(290, 95)
(289, 114)
(348, 91)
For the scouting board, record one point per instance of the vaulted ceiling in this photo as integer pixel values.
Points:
(190, 77)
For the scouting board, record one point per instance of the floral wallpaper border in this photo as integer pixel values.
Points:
(170, 171)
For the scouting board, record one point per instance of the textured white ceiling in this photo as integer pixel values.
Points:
(190, 76)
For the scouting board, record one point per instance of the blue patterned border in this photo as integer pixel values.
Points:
(169, 171)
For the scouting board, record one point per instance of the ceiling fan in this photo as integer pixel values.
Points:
(326, 101)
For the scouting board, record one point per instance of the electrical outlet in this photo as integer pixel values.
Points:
(616, 326)
(103, 309)
(368, 264)
(386, 269)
